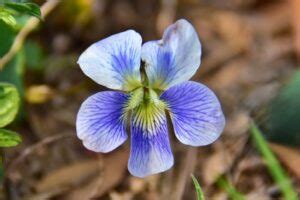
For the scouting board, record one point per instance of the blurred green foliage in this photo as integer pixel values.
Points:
(277, 172)
(284, 114)
(14, 70)
(34, 51)
(24, 8)
(7, 37)
(9, 103)
(6, 16)
(10, 9)
(230, 189)
(11, 76)
(9, 138)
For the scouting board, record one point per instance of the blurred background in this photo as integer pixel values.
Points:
(251, 50)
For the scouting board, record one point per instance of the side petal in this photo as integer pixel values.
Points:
(173, 59)
(150, 147)
(100, 122)
(114, 62)
(195, 112)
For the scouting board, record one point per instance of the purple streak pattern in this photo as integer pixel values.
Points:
(115, 61)
(150, 151)
(100, 123)
(195, 112)
(173, 59)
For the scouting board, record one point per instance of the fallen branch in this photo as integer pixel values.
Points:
(186, 169)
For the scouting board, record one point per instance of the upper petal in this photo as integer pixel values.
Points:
(195, 112)
(173, 59)
(114, 62)
(100, 122)
(150, 147)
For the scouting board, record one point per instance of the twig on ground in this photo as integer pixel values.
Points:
(31, 149)
(166, 15)
(187, 167)
(29, 26)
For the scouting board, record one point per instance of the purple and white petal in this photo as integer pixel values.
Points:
(114, 62)
(195, 112)
(150, 148)
(173, 59)
(100, 122)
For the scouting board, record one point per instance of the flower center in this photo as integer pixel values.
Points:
(147, 109)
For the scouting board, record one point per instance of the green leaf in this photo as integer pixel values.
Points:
(9, 103)
(9, 138)
(13, 73)
(31, 9)
(34, 55)
(230, 189)
(200, 195)
(277, 172)
(7, 37)
(3, 1)
(14, 70)
(7, 17)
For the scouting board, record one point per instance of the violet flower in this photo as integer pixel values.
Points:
(151, 78)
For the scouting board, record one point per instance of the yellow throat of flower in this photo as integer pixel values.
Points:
(147, 109)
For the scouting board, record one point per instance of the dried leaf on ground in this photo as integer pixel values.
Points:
(233, 29)
(114, 168)
(221, 160)
(289, 156)
(70, 175)
(238, 123)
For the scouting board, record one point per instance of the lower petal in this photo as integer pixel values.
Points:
(195, 112)
(100, 123)
(150, 147)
